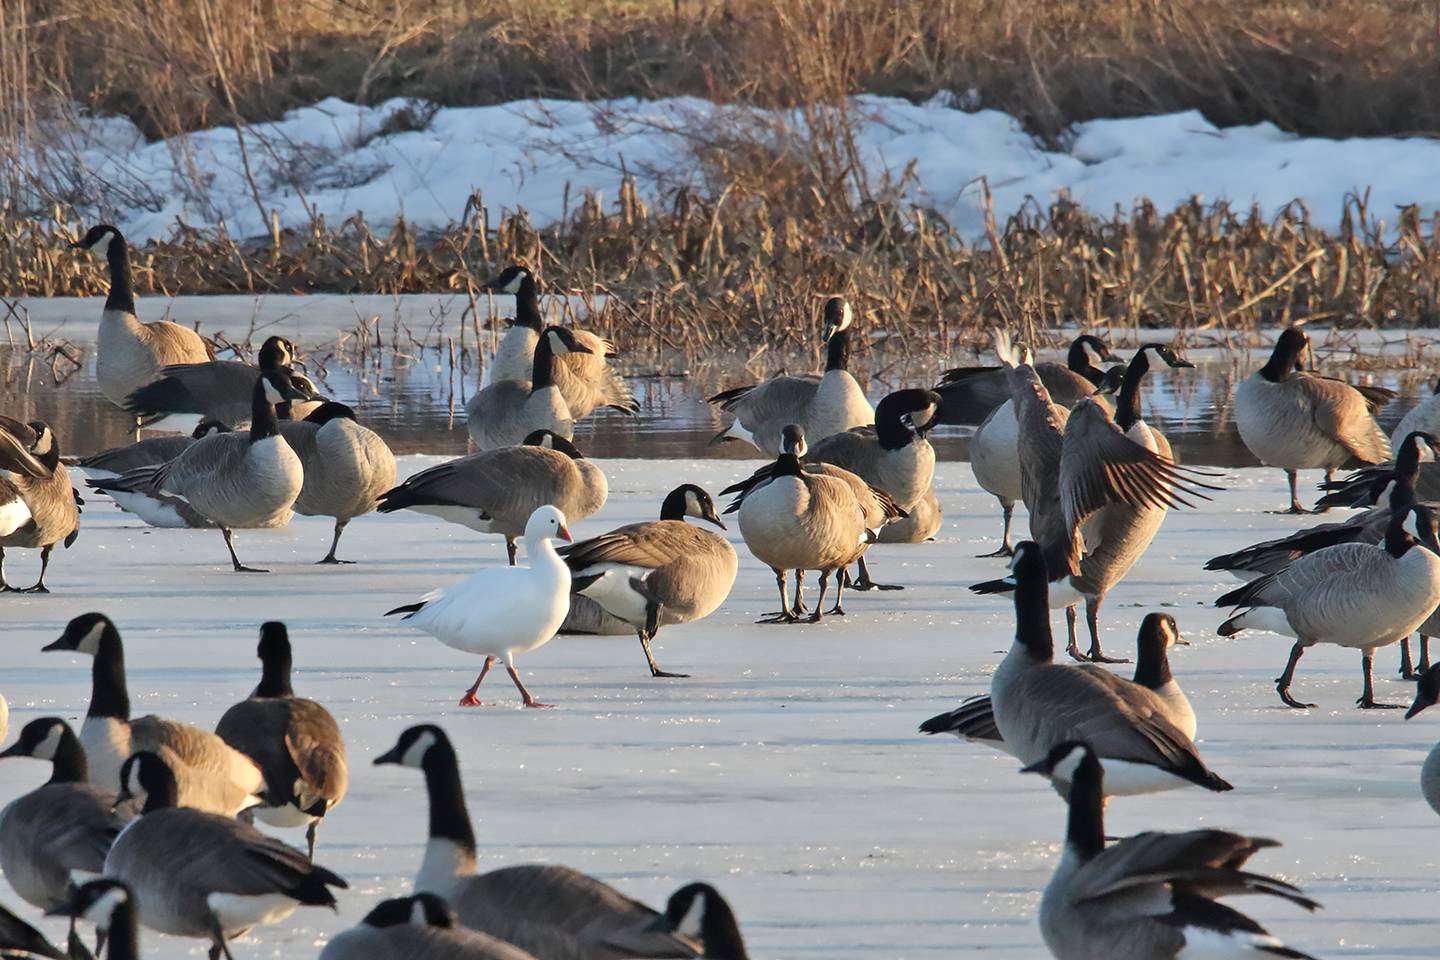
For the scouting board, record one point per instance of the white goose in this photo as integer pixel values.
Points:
(501, 611)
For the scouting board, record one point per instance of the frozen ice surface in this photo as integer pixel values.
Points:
(788, 771)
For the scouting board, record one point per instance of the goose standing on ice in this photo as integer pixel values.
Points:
(1152, 896)
(1353, 595)
(212, 776)
(508, 411)
(1296, 420)
(586, 380)
(202, 875)
(296, 743)
(830, 403)
(545, 909)
(216, 390)
(1039, 704)
(236, 480)
(496, 491)
(64, 826)
(38, 506)
(346, 467)
(128, 352)
(418, 927)
(658, 572)
(501, 611)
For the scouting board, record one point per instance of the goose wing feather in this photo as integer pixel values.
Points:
(1341, 412)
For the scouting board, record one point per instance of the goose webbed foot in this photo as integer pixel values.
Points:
(1005, 551)
(1074, 653)
(655, 670)
(836, 611)
(1291, 701)
(1096, 656)
(241, 568)
(310, 839)
(1373, 704)
(331, 559)
(783, 616)
(37, 588)
(866, 583)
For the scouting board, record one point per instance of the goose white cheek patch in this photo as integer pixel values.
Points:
(45, 749)
(415, 754)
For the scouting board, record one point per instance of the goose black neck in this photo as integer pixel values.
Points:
(109, 697)
(527, 305)
(1402, 493)
(1085, 831)
(162, 792)
(122, 294)
(122, 938)
(275, 677)
(1032, 617)
(543, 374)
(787, 465)
(720, 932)
(1397, 539)
(1127, 405)
(673, 507)
(1284, 357)
(1152, 664)
(69, 764)
(837, 351)
(1407, 463)
(1078, 360)
(263, 421)
(890, 430)
(448, 817)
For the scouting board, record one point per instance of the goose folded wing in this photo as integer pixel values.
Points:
(850, 450)
(1100, 466)
(321, 763)
(195, 388)
(1342, 413)
(974, 720)
(640, 546)
(772, 400)
(1284, 549)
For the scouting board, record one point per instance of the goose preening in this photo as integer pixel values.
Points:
(975, 718)
(202, 875)
(1039, 704)
(496, 491)
(980, 397)
(1153, 896)
(1427, 694)
(700, 914)
(1097, 489)
(498, 612)
(544, 909)
(796, 518)
(830, 403)
(236, 480)
(64, 826)
(212, 776)
(1296, 420)
(1356, 595)
(128, 352)
(586, 380)
(295, 742)
(346, 467)
(38, 506)
(418, 927)
(21, 941)
(508, 411)
(150, 452)
(659, 572)
(214, 390)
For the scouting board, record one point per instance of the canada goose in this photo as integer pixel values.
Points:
(495, 491)
(508, 411)
(531, 906)
(981, 395)
(975, 718)
(419, 927)
(1352, 594)
(795, 519)
(501, 611)
(346, 467)
(820, 406)
(65, 825)
(38, 506)
(129, 353)
(586, 380)
(700, 914)
(198, 874)
(1075, 466)
(1296, 420)
(150, 452)
(237, 480)
(659, 572)
(1039, 703)
(108, 904)
(212, 776)
(1152, 896)
(214, 390)
(21, 941)
(922, 522)
(1427, 694)
(296, 743)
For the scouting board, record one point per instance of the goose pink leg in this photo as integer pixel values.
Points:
(525, 697)
(470, 700)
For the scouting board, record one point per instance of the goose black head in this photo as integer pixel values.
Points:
(1063, 760)
(562, 341)
(510, 281)
(551, 440)
(1288, 355)
(147, 781)
(97, 239)
(838, 316)
(330, 410)
(792, 441)
(274, 645)
(1167, 354)
(275, 352)
(1087, 351)
(40, 739)
(208, 428)
(1426, 446)
(1111, 381)
(699, 913)
(95, 901)
(83, 634)
(413, 745)
(690, 500)
(914, 409)
(1427, 691)
(419, 910)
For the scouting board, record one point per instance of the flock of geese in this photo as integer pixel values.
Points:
(149, 822)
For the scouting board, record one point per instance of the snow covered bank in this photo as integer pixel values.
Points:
(788, 770)
(335, 159)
